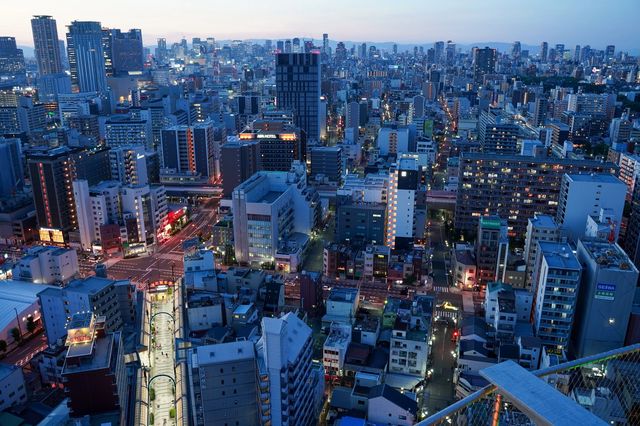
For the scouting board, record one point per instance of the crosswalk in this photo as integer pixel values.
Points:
(441, 289)
(446, 314)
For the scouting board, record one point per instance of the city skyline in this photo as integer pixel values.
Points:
(461, 22)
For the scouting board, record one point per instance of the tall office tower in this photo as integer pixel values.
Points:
(52, 172)
(107, 49)
(352, 114)
(605, 299)
(540, 112)
(576, 54)
(516, 50)
(585, 53)
(450, 54)
(268, 209)
(296, 45)
(341, 51)
(492, 247)
(63, 55)
(586, 195)
(127, 52)
(286, 347)
(298, 89)
(51, 85)
(484, 62)
(417, 108)
(513, 187)
(191, 149)
(53, 193)
(439, 51)
(239, 161)
(280, 46)
(560, 52)
(404, 178)
(540, 228)
(497, 132)
(11, 173)
(224, 384)
(362, 51)
(45, 41)
(12, 66)
(161, 53)
(325, 44)
(609, 52)
(287, 46)
(94, 374)
(556, 280)
(86, 56)
(129, 165)
(544, 51)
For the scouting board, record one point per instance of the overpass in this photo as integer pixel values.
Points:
(441, 200)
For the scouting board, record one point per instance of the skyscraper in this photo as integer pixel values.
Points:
(401, 201)
(191, 149)
(11, 174)
(239, 161)
(45, 41)
(12, 67)
(126, 51)
(298, 89)
(544, 51)
(484, 62)
(86, 56)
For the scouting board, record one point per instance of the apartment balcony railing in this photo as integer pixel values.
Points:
(602, 389)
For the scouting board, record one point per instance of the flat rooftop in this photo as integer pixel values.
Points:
(559, 255)
(225, 352)
(595, 177)
(543, 221)
(607, 255)
(340, 294)
(269, 197)
(97, 360)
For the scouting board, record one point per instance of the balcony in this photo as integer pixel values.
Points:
(595, 390)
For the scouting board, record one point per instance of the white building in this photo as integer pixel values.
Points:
(403, 183)
(583, 195)
(129, 165)
(556, 279)
(335, 349)
(47, 265)
(285, 350)
(370, 189)
(341, 305)
(125, 130)
(393, 141)
(200, 270)
(112, 299)
(205, 311)
(267, 209)
(12, 387)
(539, 228)
(18, 302)
(96, 206)
(75, 104)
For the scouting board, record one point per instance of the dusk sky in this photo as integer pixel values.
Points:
(405, 21)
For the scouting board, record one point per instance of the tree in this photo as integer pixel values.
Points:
(31, 325)
(15, 333)
(3, 345)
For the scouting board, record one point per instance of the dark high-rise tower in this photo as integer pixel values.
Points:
(45, 41)
(86, 56)
(298, 89)
(12, 67)
(544, 51)
(484, 62)
(126, 51)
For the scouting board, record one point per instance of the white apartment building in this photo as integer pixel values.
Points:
(47, 265)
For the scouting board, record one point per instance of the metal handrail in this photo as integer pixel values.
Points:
(442, 415)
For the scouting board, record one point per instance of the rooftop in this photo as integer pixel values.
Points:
(559, 255)
(607, 255)
(543, 221)
(99, 358)
(225, 352)
(594, 177)
(341, 294)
